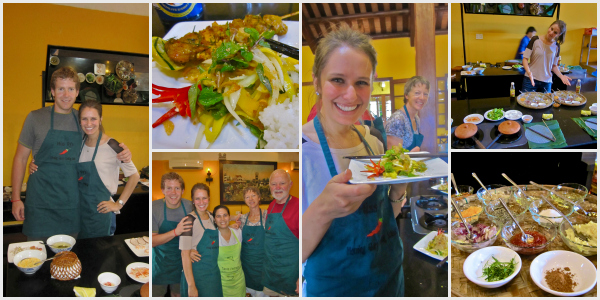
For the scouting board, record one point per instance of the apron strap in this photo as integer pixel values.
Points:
(324, 146)
(362, 138)
(96, 150)
(260, 214)
(165, 210)
(410, 121)
(286, 202)
(200, 219)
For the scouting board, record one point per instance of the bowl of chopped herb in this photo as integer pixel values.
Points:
(492, 267)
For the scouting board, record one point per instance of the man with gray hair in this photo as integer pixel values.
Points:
(282, 231)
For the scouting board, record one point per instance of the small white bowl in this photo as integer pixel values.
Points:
(109, 277)
(467, 67)
(594, 109)
(27, 254)
(581, 267)
(473, 265)
(527, 118)
(479, 70)
(60, 238)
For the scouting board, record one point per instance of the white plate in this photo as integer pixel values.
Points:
(486, 117)
(473, 115)
(138, 265)
(476, 261)
(25, 245)
(437, 188)
(513, 115)
(139, 252)
(184, 134)
(507, 67)
(581, 267)
(422, 244)
(436, 168)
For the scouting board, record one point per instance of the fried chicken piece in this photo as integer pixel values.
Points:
(184, 49)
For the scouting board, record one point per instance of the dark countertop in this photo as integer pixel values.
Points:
(574, 135)
(421, 276)
(97, 255)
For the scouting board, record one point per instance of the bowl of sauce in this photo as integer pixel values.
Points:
(60, 243)
(542, 236)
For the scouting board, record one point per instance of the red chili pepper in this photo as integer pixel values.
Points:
(65, 151)
(179, 97)
(80, 178)
(250, 240)
(212, 243)
(172, 112)
(376, 230)
(376, 169)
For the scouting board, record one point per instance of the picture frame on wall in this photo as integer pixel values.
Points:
(235, 176)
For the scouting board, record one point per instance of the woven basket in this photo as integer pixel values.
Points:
(572, 94)
(66, 266)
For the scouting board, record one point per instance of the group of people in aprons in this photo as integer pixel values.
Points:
(350, 241)
(199, 253)
(74, 172)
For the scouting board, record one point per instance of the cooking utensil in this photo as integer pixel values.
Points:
(284, 49)
(441, 263)
(542, 135)
(454, 183)
(561, 197)
(477, 142)
(43, 261)
(517, 186)
(549, 130)
(500, 133)
(586, 125)
(477, 178)
(524, 237)
(579, 235)
(469, 233)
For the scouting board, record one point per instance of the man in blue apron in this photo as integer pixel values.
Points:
(168, 215)
(280, 276)
(53, 136)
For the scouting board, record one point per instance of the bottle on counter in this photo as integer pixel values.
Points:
(512, 89)
(578, 86)
(173, 13)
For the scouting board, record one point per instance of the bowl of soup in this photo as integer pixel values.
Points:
(60, 243)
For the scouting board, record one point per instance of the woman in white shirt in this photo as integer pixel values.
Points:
(230, 248)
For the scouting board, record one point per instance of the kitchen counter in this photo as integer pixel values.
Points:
(575, 136)
(97, 255)
(421, 276)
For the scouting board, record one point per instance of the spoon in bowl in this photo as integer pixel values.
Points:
(562, 197)
(42, 261)
(477, 178)
(579, 235)
(524, 237)
(469, 232)
(454, 183)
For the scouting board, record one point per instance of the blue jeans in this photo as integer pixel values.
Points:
(540, 86)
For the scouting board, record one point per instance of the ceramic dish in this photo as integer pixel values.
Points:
(513, 115)
(37, 245)
(422, 245)
(140, 279)
(579, 266)
(471, 119)
(476, 261)
(436, 168)
(485, 115)
(139, 250)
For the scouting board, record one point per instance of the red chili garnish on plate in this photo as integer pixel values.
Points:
(376, 230)
(376, 169)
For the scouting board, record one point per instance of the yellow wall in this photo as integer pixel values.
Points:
(395, 58)
(191, 177)
(28, 29)
(502, 34)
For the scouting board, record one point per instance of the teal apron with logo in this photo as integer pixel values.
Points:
(207, 275)
(417, 137)
(166, 258)
(92, 191)
(253, 253)
(52, 199)
(352, 259)
(281, 267)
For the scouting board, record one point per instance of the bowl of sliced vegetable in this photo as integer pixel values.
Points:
(492, 267)
(495, 114)
(484, 231)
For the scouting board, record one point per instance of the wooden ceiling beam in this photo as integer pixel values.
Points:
(358, 16)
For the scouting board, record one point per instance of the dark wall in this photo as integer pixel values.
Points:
(522, 167)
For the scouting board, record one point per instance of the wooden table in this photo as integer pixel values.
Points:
(520, 286)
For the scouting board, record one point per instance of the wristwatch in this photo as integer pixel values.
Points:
(399, 200)
(121, 203)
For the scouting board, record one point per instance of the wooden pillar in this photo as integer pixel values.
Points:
(423, 27)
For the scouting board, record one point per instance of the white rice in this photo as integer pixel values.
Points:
(281, 124)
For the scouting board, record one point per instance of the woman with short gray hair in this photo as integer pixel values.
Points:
(404, 126)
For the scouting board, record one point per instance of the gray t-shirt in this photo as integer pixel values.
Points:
(37, 125)
(542, 58)
(175, 214)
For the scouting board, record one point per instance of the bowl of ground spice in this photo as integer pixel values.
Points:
(563, 273)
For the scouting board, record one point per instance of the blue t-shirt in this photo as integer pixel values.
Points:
(524, 42)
